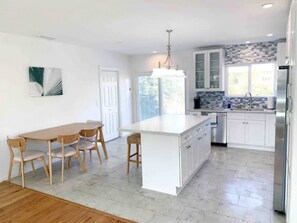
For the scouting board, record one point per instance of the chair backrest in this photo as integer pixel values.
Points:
(94, 122)
(16, 143)
(68, 139)
(88, 133)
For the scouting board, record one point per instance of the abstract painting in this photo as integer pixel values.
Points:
(45, 81)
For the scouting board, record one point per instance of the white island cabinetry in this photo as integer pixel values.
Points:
(194, 151)
(173, 147)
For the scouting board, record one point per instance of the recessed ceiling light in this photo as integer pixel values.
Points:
(267, 5)
(155, 52)
(269, 35)
(247, 42)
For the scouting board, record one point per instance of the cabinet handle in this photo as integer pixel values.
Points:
(188, 147)
(243, 122)
(246, 123)
(197, 130)
(199, 138)
(187, 137)
(205, 134)
(207, 125)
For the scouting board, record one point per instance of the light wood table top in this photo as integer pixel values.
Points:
(51, 134)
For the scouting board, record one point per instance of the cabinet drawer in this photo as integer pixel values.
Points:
(255, 117)
(195, 113)
(236, 116)
(198, 130)
(186, 137)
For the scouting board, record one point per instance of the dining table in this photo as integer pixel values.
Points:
(50, 135)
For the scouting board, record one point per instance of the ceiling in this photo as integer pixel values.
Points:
(138, 26)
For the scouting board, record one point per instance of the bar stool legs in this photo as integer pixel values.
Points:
(133, 139)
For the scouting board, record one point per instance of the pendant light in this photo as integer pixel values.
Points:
(167, 69)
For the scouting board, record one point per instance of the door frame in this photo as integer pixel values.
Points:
(106, 68)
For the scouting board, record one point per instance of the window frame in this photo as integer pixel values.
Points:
(161, 104)
(249, 65)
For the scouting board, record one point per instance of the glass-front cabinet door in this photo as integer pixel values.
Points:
(200, 65)
(214, 70)
(209, 67)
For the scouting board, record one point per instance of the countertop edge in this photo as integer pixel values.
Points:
(162, 133)
(232, 111)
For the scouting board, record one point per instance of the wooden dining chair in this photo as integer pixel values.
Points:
(88, 142)
(100, 137)
(67, 150)
(19, 154)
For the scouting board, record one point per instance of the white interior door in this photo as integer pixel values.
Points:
(109, 103)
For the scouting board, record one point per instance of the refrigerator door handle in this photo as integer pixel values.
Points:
(290, 104)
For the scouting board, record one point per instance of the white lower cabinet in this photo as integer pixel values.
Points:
(194, 151)
(251, 130)
(255, 133)
(235, 131)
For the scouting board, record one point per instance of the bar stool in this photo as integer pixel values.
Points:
(133, 139)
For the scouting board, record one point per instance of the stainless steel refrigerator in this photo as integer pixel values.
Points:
(283, 108)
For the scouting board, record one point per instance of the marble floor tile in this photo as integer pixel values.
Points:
(255, 203)
(233, 186)
(131, 212)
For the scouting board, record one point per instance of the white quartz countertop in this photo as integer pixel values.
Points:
(216, 110)
(166, 124)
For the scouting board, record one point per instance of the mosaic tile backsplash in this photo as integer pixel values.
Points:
(217, 99)
(251, 53)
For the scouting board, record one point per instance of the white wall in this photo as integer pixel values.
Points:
(20, 113)
(185, 61)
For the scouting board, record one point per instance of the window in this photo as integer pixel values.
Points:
(259, 79)
(160, 96)
(148, 91)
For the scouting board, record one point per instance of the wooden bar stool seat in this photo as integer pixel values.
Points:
(133, 139)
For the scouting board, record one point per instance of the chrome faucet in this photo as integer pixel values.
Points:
(251, 99)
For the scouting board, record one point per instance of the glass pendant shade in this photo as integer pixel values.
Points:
(167, 69)
(165, 72)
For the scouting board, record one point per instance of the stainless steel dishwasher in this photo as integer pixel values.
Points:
(218, 127)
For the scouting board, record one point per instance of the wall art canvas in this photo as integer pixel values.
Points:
(45, 81)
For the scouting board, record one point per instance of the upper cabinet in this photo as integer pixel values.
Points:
(209, 70)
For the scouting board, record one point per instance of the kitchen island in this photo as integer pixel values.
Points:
(173, 147)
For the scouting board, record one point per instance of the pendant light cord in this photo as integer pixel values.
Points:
(168, 59)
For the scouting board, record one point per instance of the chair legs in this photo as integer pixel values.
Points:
(137, 155)
(33, 168)
(128, 158)
(90, 155)
(22, 169)
(10, 169)
(85, 161)
(23, 174)
(44, 167)
(69, 162)
(82, 167)
(63, 161)
(98, 153)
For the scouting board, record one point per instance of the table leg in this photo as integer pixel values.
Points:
(103, 142)
(50, 162)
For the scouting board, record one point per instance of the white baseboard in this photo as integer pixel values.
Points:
(259, 148)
